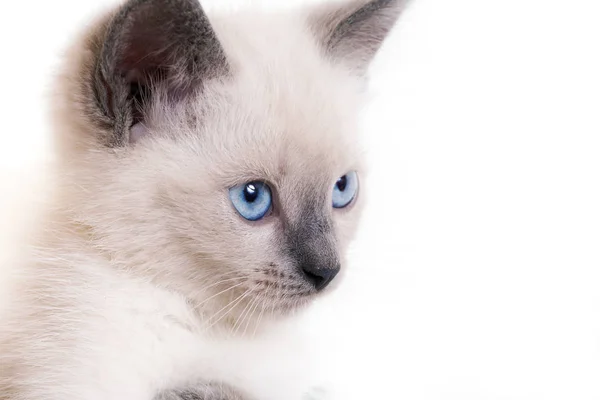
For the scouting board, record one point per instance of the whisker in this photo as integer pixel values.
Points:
(272, 309)
(262, 310)
(208, 278)
(230, 304)
(233, 304)
(212, 275)
(216, 294)
(240, 317)
(222, 281)
(256, 302)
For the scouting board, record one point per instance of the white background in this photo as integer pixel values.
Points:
(477, 271)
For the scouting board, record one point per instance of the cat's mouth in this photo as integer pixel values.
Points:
(279, 295)
(245, 301)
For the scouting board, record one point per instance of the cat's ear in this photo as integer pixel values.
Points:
(352, 31)
(151, 45)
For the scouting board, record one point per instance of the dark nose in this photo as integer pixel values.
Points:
(319, 277)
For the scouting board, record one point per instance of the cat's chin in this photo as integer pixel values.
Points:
(256, 313)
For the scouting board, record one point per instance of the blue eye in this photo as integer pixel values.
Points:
(345, 189)
(252, 200)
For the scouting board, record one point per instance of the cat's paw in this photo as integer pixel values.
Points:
(204, 392)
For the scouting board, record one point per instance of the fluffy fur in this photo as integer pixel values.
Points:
(142, 280)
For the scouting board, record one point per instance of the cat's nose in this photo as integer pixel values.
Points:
(319, 277)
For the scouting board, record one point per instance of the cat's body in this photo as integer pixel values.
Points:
(142, 280)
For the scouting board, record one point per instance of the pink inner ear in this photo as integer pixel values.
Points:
(137, 132)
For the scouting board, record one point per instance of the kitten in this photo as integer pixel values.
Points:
(206, 187)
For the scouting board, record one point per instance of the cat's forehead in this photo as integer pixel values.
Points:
(282, 83)
(283, 127)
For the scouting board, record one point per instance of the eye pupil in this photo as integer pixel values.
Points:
(250, 193)
(342, 183)
(345, 190)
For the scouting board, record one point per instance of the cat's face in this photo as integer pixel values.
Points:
(253, 193)
(222, 159)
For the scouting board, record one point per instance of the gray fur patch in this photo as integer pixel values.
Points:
(311, 239)
(202, 392)
(355, 31)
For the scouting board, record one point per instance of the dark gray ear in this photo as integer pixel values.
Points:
(152, 44)
(353, 31)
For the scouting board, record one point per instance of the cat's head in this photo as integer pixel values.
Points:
(219, 158)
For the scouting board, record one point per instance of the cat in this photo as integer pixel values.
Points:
(208, 180)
